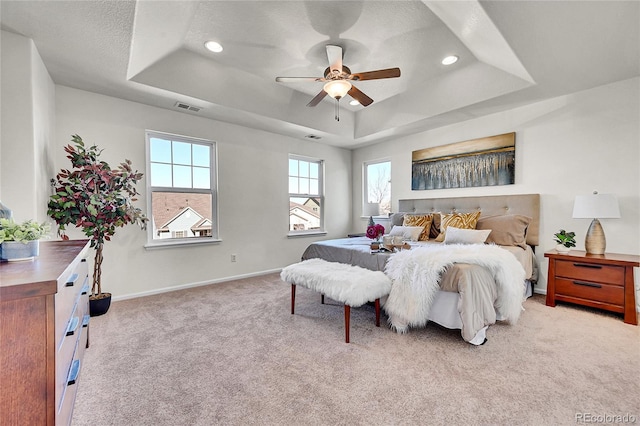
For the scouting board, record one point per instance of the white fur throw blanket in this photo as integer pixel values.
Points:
(416, 275)
(351, 285)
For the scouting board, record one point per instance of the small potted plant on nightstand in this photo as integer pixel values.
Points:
(21, 241)
(566, 240)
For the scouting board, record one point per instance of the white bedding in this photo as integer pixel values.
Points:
(446, 307)
(490, 282)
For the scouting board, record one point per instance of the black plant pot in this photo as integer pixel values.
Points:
(99, 306)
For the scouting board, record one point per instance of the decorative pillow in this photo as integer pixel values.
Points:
(411, 233)
(396, 219)
(435, 225)
(458, 220)
(465, 236)
(423, 220)
(506, 230)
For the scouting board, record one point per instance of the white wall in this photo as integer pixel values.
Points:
(565, 146)
(28, 116)
(253, 193)
(43, 134)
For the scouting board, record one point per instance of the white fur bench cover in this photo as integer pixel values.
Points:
(351, 285)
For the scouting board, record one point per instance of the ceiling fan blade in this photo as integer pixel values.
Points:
(374, 75)
(356, 94)
(334, 54)
(298, 79)
(315, 101)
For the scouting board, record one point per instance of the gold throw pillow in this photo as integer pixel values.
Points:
(423, 220)
(457, 220)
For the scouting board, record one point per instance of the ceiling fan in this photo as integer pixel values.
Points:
(338, 80)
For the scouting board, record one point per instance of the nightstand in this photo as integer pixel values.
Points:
(602, 281)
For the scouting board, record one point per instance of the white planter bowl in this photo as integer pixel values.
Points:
(14, 250)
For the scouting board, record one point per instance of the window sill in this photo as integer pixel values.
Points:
(306, 234)
(181, 243)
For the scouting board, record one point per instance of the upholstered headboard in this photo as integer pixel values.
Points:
(493, 205)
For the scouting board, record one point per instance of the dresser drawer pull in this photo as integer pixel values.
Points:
(72, 280)
(85, 321)
(586, 284)
(85, 289)
(587, 265)
(74, 371)
(73, 326)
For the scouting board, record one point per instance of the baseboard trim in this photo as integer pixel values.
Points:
(193, 285)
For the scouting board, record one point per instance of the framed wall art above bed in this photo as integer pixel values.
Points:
(485, 161)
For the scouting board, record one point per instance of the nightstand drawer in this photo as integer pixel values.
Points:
(590, 272)
(604, 293)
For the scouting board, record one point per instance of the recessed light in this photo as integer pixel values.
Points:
(354, 102)
(213, 46)
(450, 60)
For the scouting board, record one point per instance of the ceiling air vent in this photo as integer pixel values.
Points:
(187, 107)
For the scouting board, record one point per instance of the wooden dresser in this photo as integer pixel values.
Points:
(44, 327)
(602, 281)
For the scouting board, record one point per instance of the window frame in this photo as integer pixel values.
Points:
(321, 196)
(213, 191)
(365, 185)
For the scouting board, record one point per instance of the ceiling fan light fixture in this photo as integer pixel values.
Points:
(337, 88)
(213, 46)
(449, 60)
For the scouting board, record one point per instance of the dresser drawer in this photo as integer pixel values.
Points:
(65, 406)
(70, 286)
(590, 272)
(66, 351)
(604, 293)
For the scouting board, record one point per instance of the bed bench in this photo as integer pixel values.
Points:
(352, 285)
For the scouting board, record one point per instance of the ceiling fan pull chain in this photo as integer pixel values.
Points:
(337, 108)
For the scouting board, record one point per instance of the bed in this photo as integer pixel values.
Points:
(469, 281)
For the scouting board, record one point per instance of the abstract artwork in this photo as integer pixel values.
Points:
(479, 162)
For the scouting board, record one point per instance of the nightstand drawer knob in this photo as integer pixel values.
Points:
(587, 265)
(586, 284)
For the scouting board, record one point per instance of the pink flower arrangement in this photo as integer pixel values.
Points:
(375, 231)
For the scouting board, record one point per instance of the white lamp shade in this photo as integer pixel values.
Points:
(371, 209)
(596, 206)
(337, 88)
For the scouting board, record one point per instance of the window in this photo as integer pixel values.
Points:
(306, 198)
(182, 188)
(377, 188)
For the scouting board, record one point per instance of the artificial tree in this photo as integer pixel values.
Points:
(96, 198)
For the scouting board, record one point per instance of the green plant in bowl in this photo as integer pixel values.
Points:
(23, 232)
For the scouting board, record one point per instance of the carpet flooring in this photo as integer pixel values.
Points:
(232, 354)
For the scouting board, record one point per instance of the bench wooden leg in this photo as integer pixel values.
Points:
(347, 318)
(377, 312)
(293, 297)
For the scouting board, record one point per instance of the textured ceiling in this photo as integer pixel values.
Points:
(511, 53)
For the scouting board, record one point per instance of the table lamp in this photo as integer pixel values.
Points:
(595, 206)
